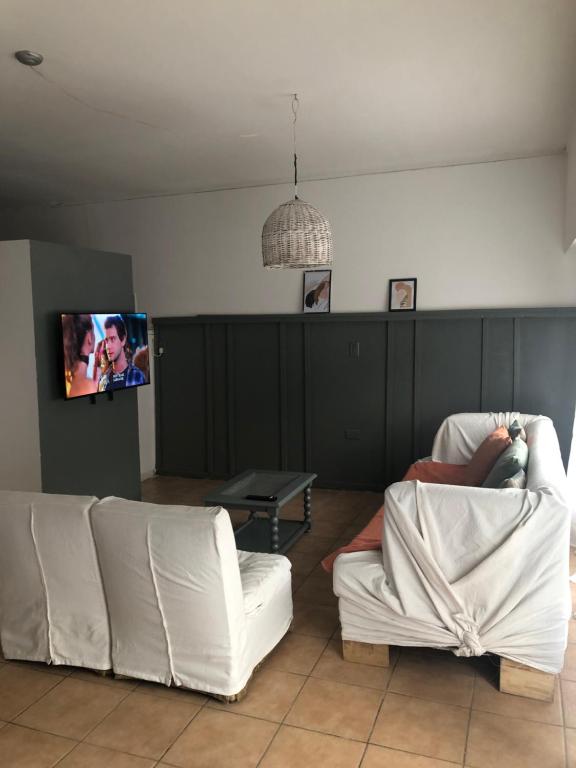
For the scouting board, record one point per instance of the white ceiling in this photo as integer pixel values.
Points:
(145, 97)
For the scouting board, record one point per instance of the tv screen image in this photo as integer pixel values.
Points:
(104, 352)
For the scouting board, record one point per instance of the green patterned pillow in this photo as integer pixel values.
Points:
(517, 430)
(516, 481)
(508, 464)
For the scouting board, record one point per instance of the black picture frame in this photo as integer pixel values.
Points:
(392, 300)
(307, 289)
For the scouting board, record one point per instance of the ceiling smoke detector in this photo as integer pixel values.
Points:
(29, 58)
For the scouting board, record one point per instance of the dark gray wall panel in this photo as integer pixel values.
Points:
(294, 351)
(86, 448)
(448, 364)
(182, 407)
(497, 364)
(256, 396)
(219, 380)
(290, 391)
(545, 372)
(347, 401)
(399, 400)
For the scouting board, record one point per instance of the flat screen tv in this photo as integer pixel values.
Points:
(104, 352)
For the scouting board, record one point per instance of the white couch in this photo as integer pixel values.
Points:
(149, 591)
(471, 570)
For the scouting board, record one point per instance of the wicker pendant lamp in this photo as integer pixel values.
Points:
(296, 235)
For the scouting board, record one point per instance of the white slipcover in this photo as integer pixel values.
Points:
(185, 607)
(52, 606)
(469, 569)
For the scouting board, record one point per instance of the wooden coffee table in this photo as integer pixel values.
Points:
(265, 531)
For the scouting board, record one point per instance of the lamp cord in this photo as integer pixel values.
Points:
(295, 105)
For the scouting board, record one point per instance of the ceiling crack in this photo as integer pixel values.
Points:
(92, 107)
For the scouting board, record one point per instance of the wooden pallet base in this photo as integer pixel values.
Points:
(230, 699)
(218, 696)
(366, 653)
(241, 694)
(520, 680)
(103, 672)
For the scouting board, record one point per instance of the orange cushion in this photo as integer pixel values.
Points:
(438, 472)
(486, 454)
(370, 537)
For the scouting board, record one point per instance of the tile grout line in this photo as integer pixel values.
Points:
(464, 756)
(419, 698)
(169, 747)
(384, 694)
(564, 735)
(283, 721)
(75, 742)
(433, 701)
(83, 740)
(128, 693)
(36, 701)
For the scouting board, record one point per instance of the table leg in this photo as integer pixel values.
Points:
(275, 534)
(308, 506)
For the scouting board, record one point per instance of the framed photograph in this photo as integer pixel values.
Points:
(317, 289)
(402, 295)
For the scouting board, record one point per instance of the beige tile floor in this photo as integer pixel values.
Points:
(305, 707)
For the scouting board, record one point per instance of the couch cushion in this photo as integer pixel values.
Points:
(509, 463)
(438, 472)
(261, 576)
(486, 454)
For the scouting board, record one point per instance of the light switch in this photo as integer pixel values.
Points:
(354, 349)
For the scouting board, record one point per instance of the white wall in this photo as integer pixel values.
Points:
(570, 206)
(20, 433)
(485, 235)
